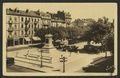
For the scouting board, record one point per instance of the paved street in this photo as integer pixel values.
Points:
(74, 64)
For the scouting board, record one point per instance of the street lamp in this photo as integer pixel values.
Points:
(41, 65)
(63, 59)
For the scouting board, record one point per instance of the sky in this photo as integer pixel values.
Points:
(77, 10)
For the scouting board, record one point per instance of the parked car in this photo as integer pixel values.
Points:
(72, 48)
(91, 48)
(10, 61)
(100, 65)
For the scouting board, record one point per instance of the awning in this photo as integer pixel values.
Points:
(27, 38)
(36, 38)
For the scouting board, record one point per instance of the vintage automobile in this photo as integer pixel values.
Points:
(103, 64)
(72, 48)
(92, 48)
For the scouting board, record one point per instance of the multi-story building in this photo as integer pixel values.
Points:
(22, 25)
(61, 19)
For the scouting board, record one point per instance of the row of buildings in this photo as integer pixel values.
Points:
(22, 24)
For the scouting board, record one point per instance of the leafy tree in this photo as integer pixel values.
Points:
(97, 31)
(101, 32)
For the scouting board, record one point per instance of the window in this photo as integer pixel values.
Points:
(21, 25)
(25, 18)
(29, 32)
(10, 18)
(15, 33)
(29, 19)
(29, 25)
(33, 32)
(15, 26)
(38, 25)
(21, 18)
(22, 32)
(15, 19)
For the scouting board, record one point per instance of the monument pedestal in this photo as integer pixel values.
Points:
(50, 51)
(45, 59)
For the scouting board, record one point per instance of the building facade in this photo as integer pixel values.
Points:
(22, 25)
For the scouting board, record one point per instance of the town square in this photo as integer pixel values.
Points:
(60, 39)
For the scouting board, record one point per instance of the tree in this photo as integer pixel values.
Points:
(98, 30)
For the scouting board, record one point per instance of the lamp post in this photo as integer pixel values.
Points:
(41, 65)
(63, 59)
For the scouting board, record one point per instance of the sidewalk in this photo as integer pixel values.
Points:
(17, 47)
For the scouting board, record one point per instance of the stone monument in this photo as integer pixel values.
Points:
(46, 59)
(48, 42)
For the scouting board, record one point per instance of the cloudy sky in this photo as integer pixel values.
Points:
(77, 10)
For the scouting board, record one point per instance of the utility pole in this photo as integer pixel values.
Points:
(63, 59)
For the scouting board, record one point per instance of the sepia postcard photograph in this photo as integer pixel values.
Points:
(60, 39)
